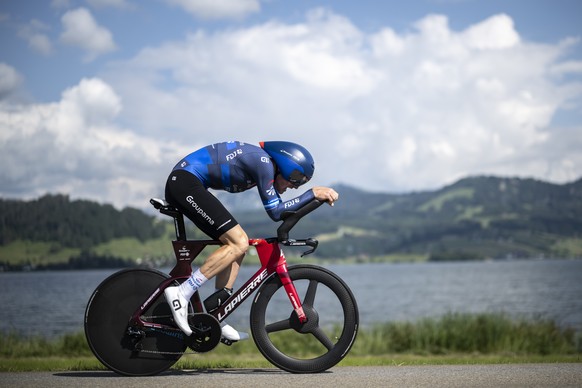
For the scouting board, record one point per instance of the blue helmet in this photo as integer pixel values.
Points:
(294, 162)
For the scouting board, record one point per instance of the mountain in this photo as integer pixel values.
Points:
(475, 218)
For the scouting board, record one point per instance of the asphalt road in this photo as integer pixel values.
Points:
(510, 375)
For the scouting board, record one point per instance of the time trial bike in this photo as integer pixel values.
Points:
(130, 328)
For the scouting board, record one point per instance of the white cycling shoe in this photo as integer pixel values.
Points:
(231, 334)
(179, 306)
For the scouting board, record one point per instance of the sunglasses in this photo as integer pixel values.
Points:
(297, 178)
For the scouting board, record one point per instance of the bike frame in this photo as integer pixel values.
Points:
(273, 262)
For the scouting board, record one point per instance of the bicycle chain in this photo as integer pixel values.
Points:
(156, 316)
(158, 352)
(184, 352)
(146, 317)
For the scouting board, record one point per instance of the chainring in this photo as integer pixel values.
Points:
(206, 332)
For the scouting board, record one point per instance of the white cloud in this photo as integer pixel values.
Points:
(568, 67)
(80, 29)
(9, 80)
(497, 32)
(382, 111)
(74, 147)
(218, 9)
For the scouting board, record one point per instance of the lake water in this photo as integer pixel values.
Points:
(53, 303)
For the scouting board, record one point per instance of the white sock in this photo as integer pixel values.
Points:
(189, 287)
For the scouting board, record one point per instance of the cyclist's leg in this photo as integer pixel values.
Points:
(224, 264)
(226, 278)
(189, 195)
(225, 260)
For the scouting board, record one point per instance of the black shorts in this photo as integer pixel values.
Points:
(188, 194)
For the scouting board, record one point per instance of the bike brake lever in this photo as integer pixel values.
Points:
(310, 242)
(313, 244)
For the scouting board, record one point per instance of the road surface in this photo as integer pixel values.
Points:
(508, 375)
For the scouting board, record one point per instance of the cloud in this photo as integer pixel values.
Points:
(33, 33)
(80, 29)
(497, 32)
(120, 4)
(61, 3)
(10, 80)
(218, 9)
(568, 67)
(382, 110)
(74, 146)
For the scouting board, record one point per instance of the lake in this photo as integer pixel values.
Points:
(53, 303)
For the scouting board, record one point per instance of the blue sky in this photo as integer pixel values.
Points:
(99, 98)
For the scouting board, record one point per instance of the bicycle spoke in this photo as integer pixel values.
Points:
(309, 299)
(278, 326)
(323, 338)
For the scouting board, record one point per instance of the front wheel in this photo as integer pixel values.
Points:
(322, 341)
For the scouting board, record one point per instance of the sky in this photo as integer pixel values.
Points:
(100, 98)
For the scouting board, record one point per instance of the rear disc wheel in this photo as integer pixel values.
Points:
(123, 349)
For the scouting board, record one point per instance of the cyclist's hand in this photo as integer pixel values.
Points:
(325, 194)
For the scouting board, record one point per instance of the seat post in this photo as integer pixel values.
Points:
(180, 227)
(169, 210)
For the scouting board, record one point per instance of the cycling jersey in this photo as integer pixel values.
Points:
(235, 167)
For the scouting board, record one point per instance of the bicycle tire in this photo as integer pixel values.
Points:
(106, 322)
(311, 347)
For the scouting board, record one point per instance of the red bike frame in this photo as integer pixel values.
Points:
(272, 261)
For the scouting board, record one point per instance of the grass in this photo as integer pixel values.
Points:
(451, 339)
(456, 333)
(568, 247)
(436, 204)
(35, 253)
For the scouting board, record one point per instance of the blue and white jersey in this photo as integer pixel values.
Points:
(235, 167)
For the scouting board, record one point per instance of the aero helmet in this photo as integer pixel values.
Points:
(294, 162)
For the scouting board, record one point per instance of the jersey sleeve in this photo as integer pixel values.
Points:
(291, 205)
(272, 202)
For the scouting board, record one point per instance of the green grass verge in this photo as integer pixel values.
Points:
(451, 339)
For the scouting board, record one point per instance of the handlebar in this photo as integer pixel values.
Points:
(290, 218)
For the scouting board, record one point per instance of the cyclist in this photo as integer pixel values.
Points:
(273, 167)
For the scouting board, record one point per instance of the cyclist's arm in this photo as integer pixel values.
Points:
(263, 173)
(291, 205)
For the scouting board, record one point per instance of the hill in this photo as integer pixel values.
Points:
(474, 218)
(53, 231)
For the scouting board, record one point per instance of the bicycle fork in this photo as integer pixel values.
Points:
(273, 258)
(291, 291)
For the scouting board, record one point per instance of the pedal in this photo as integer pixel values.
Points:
(226, 341)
